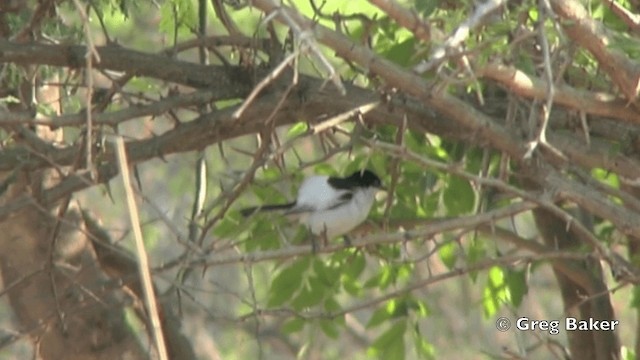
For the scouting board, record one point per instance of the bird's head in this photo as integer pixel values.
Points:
(365, 178)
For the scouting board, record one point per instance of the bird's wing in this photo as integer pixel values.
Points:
(321, 205)
(344, 198)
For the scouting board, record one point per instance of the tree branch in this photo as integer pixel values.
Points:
(591, 35)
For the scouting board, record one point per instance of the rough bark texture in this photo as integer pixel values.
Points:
(581, 303)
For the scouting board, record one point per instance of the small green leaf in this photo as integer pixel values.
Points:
(307, 297)
(351, 286)
(394, 308)
(423, 348)
(324, 169)
(426, 7)
(419, 307)
(177, 15)
(458, 196)
(378, 317)
(270, 173)
(404, 271)
(449, 254)
(287, 282)
(401, 53)
(331, 305)
(607, 177)
(226, 226)
(496, 293)
(326, 274)
(390, 345)
(329, 328)
(627, 354)
(387, 276)
(292, 326)
(297, 129)
(517, 285)
(416, 141)
(355, 265)
(475, 252)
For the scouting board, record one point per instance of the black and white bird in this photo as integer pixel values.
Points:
(330, 206)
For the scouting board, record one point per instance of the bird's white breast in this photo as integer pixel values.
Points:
(340, 220)
(316, 193)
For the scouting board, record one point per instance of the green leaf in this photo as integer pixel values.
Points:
(458, 196)
(423, 348)
(402, 52)
(329, 328)
(496, 292)
(270, 173)
(476, 251)
(416, 141)
(517, 284)
(326, 274)
(350, 273)
(177, 15)
(268, 195)
(292, 326)
(324, 169)
(331, 305)
(627, 354)
(297, 129)
(355, 265)
(607, 177)
(426, 7)
(287, 282)
(404, 271)
(226, 227)
(449, 254)
(419, 307)
(384, 278)
(378, 317)
(352, 286)
(393, 308)
(264, 235)
(390, 344)
(307, 296)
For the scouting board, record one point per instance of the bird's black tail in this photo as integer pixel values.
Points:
(252, 210)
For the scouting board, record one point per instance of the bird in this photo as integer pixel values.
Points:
(329, 206)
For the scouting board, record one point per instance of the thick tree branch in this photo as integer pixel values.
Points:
(533, 87)
(112, 118)
(591, 35)
(466, 116)
(226, 83)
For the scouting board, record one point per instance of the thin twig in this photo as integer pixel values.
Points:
(461, 33)
(544, 8)
(307, 37)
(143, 261)
(90, 56)
(263, 84)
